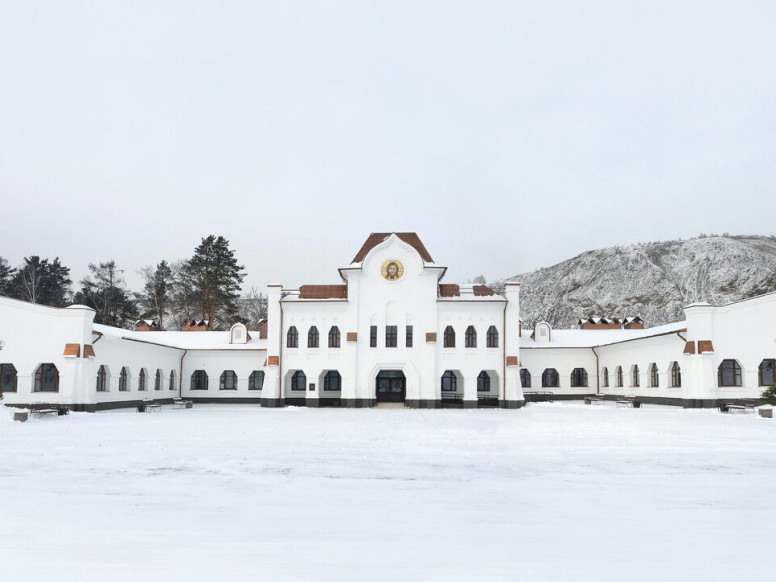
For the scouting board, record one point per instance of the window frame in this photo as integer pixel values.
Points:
(760, 376)
(141, 380)
(676, 375)
(448, 337)
(654, 376)
(547, 375)
(297, 378)
(470, 337)
(450, 380)
(252, 380)
(635, 376)
(525, 374)
(334, 337)
(158, 380)
(372, 336)
(619, 379)
(198, 378)
(124, 379)
(491, 337)
(483, 382)
(228, 377)
(408, 336)
(605, 377)
(313, 337)
(102, 379)
(332, 381)
(8, 370)
(43, 373)
(736, 370)
(292, 337)
(579, 378)
(391, 336)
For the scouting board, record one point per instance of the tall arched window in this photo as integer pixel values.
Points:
(550, 378)
(676, 375)
(312, 337)
(158, 380)
(470, 339)
(172, 380)
(141, 384)
(766, 372)
(449, 381)
(334, 337)
(491, 338)
(483, 382)
(228, 380)
(618, 376)
(8, 376)
(124, 380)
(46, 378)
(654, 376)
(102, 378)
(605, 377)
(729, 373)
(292, 337)
(449, 337)
(332, 381)
(199, 380)
(635, 376)
(256, 380)
(525, 378)
(578, 378)
(298, 381)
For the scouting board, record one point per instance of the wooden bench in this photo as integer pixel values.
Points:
(181, 403)
(629, 402)
(539, 396)
(149, 406)
(41, 408)
(738, 406)
(597, 399)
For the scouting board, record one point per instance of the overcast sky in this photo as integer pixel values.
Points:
(509, 135)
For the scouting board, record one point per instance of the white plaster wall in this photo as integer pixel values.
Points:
(564, 360)
(215, 362)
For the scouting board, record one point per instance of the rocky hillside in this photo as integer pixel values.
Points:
(653, 280)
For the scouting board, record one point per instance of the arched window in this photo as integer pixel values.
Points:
(635, 376)
(199, 380)
(525, 378)
(334, 337)
(676, 375)
(605, 377)
(470, 339)
(102, 378)
(654, 376)
(292, 337)
(578, 378)
(158, 380)
(449, 337)
(228, 380)
(124, 380)
(256, 380)
(766, 372)
(46, 378)
(550, 378)
(483, 382)
(141, 384)
(298, 381)
(332, 381)
(312, 337)
(449, 381)
(491, 338)
(729, 373)
(172, 380)
(8, 375)
(618, 376)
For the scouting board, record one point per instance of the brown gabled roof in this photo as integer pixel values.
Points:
(323, 292)
(376, 238)
(482, 291)
(449, 290)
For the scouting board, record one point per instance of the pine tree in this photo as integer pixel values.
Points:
(157, 291)
(108, 295)
(213, 278)
(6, 272)
(41, 281)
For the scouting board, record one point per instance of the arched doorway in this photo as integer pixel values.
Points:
(390, 386)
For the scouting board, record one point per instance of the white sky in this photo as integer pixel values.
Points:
(509, 135)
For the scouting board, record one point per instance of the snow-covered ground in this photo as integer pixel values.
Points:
(561, 492)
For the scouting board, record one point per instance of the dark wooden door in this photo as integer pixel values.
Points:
(391, 386)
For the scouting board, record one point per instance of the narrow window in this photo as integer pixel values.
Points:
(9, 378)
(483, 382)
(391, 336)
(525, 378)
(676, 375)
(449, 381)
(373, 336)
(332, 381)
(618, 376)
(292, 337)
(635, 376)
(492, 337)
(228, 380)
(256, 380)
(408, 336)
(550, 378)
(172, 379)
(199, 380)
(124, 380)
(470, 338)
(729, 373)
(334, 337)
(605, 377)
(141, 380)
(158, 380)
(298, 381)
(579, 378)
(766, 372)
(312, 337)
(654, 376)
(46, 378)
(449, 337)
(101, 379)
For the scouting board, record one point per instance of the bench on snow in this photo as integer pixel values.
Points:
(149, 406)
(539, 396)
(597, 399)
(629, 401)
(41, 408)
(738, 406)
(181, 403)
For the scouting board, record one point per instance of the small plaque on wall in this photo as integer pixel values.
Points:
(312, 387)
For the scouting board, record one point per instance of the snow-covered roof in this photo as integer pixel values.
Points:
(589, 338)
(185, 340)
(467, 293)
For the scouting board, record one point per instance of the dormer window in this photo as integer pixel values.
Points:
(238, 334)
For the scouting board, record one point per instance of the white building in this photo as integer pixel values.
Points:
(391, 332)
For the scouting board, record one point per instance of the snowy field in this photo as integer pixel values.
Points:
(561, 492)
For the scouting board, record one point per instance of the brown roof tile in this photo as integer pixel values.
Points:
(449, 290)
(376, 238)
(323, 292)
(482, 291)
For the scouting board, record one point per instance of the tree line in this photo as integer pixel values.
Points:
(206, 287)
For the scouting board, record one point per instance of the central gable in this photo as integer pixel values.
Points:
(377, 238)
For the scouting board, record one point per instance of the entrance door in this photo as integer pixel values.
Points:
(391, 386)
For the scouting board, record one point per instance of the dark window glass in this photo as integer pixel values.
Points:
(373, 336)
(158, 380)
(618, 376)
(635, 376)
(199, 380)
(729, 373)
(256, 380)
(408, 337)
(141, 380)
(124, 380)
(9, 377)
(334, 337)
(654, 376)
(228, 380)
(449, 381)
(525, 378)
(483, 382)
(578, 378)
(605, 377)
(492, 337)
(312, 337)
(292, 337)
(332, 381)
(470, 338)
(676, 375)
(449, 337)
(298, 381)
(766, 372)
(172, 380)
(391, 336)
(550, 378)
(101, 379)
(46, 378)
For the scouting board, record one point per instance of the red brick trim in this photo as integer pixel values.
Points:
(73, 350)
(689, 348)
(431, 336)
(351, 336)
(512, 361)
(705, 347)
(273, 361)
(88, 351)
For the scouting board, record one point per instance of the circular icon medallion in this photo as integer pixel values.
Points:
(392, 270)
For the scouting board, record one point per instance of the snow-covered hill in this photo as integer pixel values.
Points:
(653, 280)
